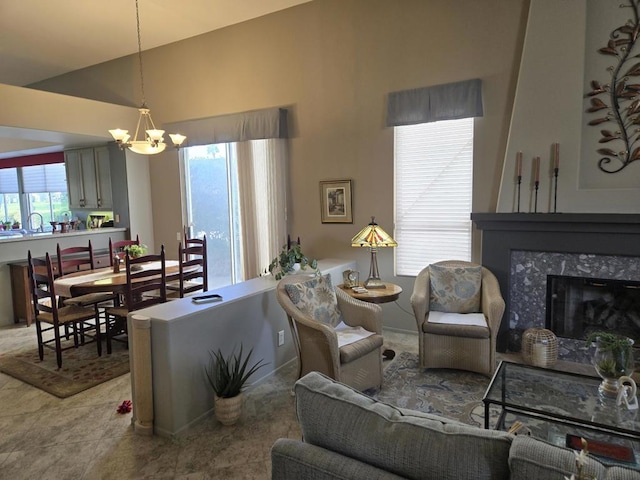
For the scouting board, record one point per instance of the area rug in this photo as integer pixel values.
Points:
(454, 394)
(82, 368)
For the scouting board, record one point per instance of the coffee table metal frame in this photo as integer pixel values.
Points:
(531, 406)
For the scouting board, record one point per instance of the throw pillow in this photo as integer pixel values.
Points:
(455, 289)
(317, 299)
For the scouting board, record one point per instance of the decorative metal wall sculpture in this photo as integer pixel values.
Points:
(621, 96)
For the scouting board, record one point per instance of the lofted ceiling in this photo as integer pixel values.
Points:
(40, 39)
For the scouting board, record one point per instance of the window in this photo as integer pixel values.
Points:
(9, 197)
(45, 188)
(235, 196)
(38, 188)
(433, 193)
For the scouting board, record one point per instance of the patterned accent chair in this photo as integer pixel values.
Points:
(458, 309)
(333, 333)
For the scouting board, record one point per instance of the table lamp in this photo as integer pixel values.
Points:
(373, 236)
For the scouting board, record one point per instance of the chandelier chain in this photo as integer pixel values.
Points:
(140, 56)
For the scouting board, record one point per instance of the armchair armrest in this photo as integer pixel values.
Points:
(492, 303)
(420, 296)
(357, 313)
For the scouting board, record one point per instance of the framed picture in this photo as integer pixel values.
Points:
(335, 201)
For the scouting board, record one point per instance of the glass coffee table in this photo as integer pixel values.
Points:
(558, 406)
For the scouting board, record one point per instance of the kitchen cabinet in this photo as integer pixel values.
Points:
(89, 178)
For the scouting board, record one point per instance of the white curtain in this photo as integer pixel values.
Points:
(262, 171)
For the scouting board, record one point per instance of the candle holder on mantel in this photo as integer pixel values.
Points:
(539, 347)
(519, 183)
(555, 190)
(535, 201)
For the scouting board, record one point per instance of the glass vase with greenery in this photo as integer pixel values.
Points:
(612, 359)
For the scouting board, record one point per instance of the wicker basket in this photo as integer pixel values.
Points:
(227, 410)
(539, 347)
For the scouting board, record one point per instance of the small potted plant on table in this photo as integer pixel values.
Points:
(227, 376)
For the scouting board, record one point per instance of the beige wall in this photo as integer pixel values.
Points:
(331, 62)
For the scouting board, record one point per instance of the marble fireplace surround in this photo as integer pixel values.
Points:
(541, 241)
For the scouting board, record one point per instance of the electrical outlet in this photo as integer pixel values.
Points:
(178, 236)
(281, 338)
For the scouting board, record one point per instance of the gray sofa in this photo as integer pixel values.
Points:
(348, 435)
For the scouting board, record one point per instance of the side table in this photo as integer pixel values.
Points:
(390, 293)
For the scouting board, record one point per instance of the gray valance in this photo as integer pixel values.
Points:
(235, 127)
(431, 104)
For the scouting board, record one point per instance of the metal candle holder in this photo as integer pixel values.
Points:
(519, 182)
(555, 190)
(535, 203)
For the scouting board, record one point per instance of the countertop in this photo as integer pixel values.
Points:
(6, 236)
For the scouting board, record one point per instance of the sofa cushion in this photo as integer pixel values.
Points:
(455, 289)
(291, 459)
(316, 298)
(404, 442)
(530, 458)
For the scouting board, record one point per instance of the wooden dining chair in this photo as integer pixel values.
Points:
(118, 247)
(193, 275)
(48, 312)
(75, 259)
(144, 274)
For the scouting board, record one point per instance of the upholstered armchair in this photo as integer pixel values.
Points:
(458, 309)
(333, 333)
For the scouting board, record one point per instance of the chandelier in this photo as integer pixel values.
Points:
(153, 142)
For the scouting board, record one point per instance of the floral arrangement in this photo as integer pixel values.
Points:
(135, 250)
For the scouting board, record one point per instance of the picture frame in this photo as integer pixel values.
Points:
(336, 201)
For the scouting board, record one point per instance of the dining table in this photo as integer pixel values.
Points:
(106, 280)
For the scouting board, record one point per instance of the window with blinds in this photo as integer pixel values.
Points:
(44, 178)
(433, 193)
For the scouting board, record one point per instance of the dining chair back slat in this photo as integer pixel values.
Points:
(49, 312)
(146, 280)
(193, 274)
(74, 259)
(141, 280)
(119, 245)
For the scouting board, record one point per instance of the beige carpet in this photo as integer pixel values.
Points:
(81, 368)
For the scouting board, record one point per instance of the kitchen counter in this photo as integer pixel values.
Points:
(23, 235)
(14, 249)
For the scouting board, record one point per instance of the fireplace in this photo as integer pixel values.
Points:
(521, 249)
(578, 306)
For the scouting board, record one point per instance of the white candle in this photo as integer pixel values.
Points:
(538, 354)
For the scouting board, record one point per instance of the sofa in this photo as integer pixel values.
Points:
(348, 435)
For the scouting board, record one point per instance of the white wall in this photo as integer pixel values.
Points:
(549, 107)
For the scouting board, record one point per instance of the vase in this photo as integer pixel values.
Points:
(227, 410)
(611, 362)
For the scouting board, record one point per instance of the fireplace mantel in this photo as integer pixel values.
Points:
(597, 233)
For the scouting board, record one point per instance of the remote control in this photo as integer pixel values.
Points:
(207, 297)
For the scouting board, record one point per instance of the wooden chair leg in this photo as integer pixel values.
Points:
(108, 333)
(40, 344)
(56, 331)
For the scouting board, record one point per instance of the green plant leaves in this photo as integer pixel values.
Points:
(227, 375)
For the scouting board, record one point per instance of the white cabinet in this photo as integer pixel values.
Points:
(89, 178)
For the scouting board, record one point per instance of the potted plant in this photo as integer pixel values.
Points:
(612, 359)
(227, 376)
(135, 251)
(290, 259)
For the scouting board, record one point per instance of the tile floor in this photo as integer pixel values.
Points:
(82, 437)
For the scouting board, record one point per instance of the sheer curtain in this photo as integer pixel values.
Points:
(262, 178)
